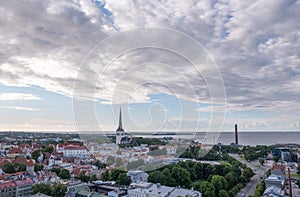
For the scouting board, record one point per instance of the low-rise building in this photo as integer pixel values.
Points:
(273, 191)
(24, 187)
(143, 189)
(7, 188)
(137, 176)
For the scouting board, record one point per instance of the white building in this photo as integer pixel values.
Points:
(156, 190)
(71, 150)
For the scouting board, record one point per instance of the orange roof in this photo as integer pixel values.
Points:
(15, 151)
(27, 181)
(20, 160)
(7, 184)
(30, 163)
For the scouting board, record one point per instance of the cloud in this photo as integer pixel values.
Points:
(18, 96)
(255, 45)
(22, 108)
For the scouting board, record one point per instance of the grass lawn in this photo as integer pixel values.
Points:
(295, 175)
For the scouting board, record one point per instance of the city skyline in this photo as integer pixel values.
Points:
(255, 46)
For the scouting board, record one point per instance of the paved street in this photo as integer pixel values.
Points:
(259, 171)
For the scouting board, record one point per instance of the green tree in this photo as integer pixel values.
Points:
(35, 154)
(8, 168)
(223, 193)
(248, 173)
(232, 179)
(48, 149)
(105, 175)
(261, 161)
(206, 188)
(42, 188)
(83, 177)
(276, 158)
(114, 175)
(198, 167)
(64, 174)
(155, 177)
(38, 167)
(123, 179)
(181, 176)
(220, 183)
(56, 170)
(19, 167)
(59, 190)
(93, 178)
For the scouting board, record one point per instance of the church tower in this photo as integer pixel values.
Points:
(121, 136)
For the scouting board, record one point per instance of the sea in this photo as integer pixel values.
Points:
(244, 138)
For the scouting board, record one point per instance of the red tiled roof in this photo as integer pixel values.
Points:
(27, 181)
(7, 184)
(20, 160)
(30, 163)
(15, 174)
(15, 151)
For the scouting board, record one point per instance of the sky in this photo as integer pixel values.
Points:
(202, 65)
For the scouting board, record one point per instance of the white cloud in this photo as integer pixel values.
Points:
(18, 96)
(22, 108)
(255, 44)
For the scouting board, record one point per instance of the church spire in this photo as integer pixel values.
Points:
(120, 128)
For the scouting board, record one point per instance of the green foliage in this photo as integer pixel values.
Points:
(35, 154)
(114, 175)
(219, 183)
(83, 177)
(99, 164)
(42, 188)
(181, 176)
(247, 173)
(105, 175)
(276, 158)
(261, 161)
(57, 190)
(8, 168)
(48, 149)
(56, 170)
(223, 193)
(38, 167)
(64, 174)
(260, 189)
(206, 188)
(19, 167)
(232, 179)
(149, 141)
(12, 168)
(123, 179)
(252, 153)
(93, 178)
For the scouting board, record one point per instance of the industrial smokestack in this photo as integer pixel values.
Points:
(236, 135)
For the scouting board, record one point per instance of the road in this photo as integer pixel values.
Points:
(259, 171)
